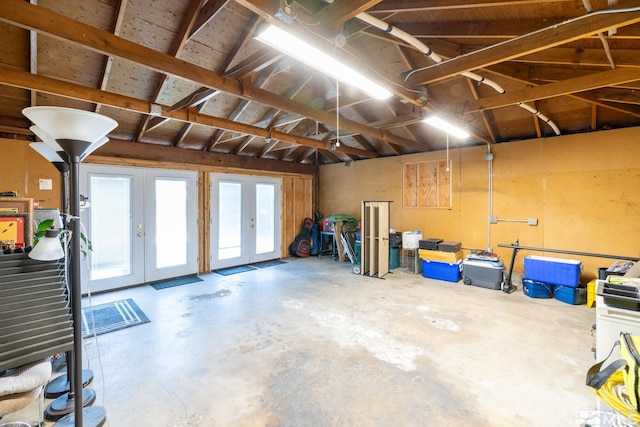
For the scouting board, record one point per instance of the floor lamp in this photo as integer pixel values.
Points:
(60, 387)
(76, 134)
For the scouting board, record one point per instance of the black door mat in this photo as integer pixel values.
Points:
(270, 263)
(234, 270)
(178, 281)
(112, 316)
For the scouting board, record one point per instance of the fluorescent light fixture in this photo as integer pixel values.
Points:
(444, 125)
(304, 52)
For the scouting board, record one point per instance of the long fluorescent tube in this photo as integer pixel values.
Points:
(443, 125)
(304, 52)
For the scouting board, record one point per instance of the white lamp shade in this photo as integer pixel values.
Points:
(46, 138)
(95, 146)
(48, 247)
(69, 123)
(46, 151)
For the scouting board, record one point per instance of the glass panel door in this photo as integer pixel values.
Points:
(142, 224)
(171, 220)
(245, 219)
(112, 220)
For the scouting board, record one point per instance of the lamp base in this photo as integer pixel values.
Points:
(63, 405)
(93, 416)
(60, 385)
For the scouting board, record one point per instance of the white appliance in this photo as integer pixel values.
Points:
(610, 322)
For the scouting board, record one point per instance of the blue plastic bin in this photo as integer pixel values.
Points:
(570, 295)
(442, 270)
(534, 289)
(557, 271)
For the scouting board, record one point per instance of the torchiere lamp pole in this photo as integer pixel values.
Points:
(76, 134)
(60, 389)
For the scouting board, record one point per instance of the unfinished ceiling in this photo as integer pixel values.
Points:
(190, 74)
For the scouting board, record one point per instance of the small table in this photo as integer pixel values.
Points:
(332, 241)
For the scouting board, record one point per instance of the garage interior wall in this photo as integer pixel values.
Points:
(582, 188)
(21, 168)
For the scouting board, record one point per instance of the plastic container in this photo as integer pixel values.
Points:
(570, 295)
(591, 293)
(557, 271)
(485, 274)
(430, 243)
(441, 270)
(394, 258)
(534, 289)
(410, 239)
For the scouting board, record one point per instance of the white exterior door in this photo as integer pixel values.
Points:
(142, 224)
(245, 219)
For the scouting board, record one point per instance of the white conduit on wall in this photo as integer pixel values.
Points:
(390, 29)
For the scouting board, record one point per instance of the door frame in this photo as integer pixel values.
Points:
(142, 225)
(248, 201)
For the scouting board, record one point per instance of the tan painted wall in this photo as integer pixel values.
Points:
(21, 168)
(583, 189)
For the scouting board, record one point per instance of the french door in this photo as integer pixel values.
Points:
(142, 224)
(245, 219)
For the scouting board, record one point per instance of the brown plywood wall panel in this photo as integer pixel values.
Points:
(410, 187)
(297, 204)
(582, 189)
(33, 167)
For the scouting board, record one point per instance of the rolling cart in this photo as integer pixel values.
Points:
(348, 250)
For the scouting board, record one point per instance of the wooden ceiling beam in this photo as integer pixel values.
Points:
(579, 84)
(178, 45)
(23, 14)
(520, 74)
(206, 14)
(528, 44)
(393, 6)
(620, 96)
(172, 155)
(582, 57)
(503, 29)
(319, 37)
(337, 13)
(108, 62)
(11, 77)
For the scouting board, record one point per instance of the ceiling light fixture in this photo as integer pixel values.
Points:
(446, 126)
(313, 57)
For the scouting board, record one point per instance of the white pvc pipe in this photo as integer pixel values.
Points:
(402, 35)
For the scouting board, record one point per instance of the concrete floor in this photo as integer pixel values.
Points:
(308, 343)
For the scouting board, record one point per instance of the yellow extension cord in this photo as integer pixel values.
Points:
(613, 394)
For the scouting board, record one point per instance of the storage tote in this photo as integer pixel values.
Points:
(570, 295)
(557, 271)
(441, 270)
(534, 289)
